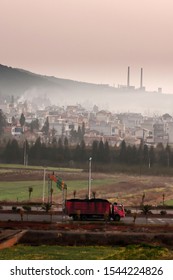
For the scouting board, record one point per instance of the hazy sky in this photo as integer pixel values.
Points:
(90, 40)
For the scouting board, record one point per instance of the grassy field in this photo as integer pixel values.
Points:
(169, 202)
(131, 252)
(21, 166)
(18, 190)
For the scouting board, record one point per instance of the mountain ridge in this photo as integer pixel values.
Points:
(17, 81)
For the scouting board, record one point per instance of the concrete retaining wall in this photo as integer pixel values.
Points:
(38, 237)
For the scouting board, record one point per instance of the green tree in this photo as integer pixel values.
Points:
(47, 206)
(45, 128)
(106, 152)
(53, 132)
(101, 151)
(36, 149)
(22, 120)
(82, 151)
(83, 129)
(161, 154)
(79, 134)
(134, 155)
(30, 190)
(7, 152)
(95, 150)
(77, 153)
(74, 193)
(143, 198)
(129, 154)
(25, 151)
(146, 209)
(168, 154)
(152, 155)
(34, 125)
(163, 198)
(123, 150)
(73, 135)
(146, 156)
(3, 122)
(60, 150)
(12, 151)
(54, 142)
(14, 121)
(66, 149)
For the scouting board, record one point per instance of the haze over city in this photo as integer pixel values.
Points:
(91, 41)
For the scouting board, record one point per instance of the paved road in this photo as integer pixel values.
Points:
(59, 218)
(150, 220)
(30, 217)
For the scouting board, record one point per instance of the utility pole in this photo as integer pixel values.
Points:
(44, 180)
(25, 156)
(89, 179)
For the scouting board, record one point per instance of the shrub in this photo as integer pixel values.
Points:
(47, 207)
(128, 211)
(163, 212)
(26, 207)
(14, 208)
(146, 209)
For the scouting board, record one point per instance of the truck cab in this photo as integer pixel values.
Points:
(117, 211)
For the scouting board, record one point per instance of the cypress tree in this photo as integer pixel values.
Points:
(45, 127)
(82, 151)
(95, 150)
(123, 150)
(146, 155)
(106, 152)
(101, 152)
(22, 120)
(66, 149)
(60, 150)
(2, 122)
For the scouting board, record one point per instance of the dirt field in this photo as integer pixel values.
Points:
(127, 189)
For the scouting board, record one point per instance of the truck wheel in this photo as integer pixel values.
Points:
(117, 218)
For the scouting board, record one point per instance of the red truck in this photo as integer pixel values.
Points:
(83, 209)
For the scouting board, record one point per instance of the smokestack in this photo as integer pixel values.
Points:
(128, 77)
(141, 80)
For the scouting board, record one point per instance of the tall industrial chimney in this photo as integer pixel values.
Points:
(141, 80)
(128, 77)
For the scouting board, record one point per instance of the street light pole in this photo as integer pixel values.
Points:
(44, 179)
(89, 179)
(24, 154)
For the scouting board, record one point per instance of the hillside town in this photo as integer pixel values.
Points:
(27, 120)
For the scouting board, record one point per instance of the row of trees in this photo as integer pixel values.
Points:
(60, 152)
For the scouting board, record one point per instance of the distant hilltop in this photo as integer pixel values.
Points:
(16, 81)
(22, 83)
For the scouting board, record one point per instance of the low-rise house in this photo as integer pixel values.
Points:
(102, 127)
(159, 133)
(169, 131)
(131, 120)
(16, 131)
(103, 116)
